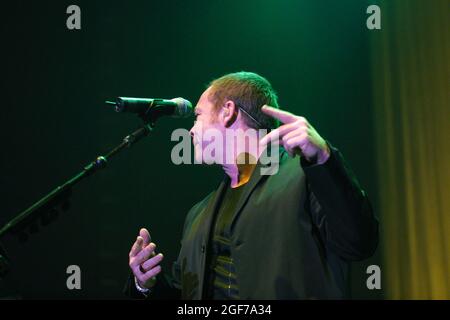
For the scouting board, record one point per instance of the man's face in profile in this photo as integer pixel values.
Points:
(207, 121)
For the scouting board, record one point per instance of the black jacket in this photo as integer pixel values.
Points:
(292, 237)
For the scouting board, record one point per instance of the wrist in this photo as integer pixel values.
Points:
(140, 288)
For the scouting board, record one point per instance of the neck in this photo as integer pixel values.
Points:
(241, 171)
(245, 159)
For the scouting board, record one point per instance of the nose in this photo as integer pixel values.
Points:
(191, 132)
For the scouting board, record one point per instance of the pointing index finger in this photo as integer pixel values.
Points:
(283, 116)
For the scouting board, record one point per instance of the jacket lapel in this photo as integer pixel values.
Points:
(255, 179)
(209, 213)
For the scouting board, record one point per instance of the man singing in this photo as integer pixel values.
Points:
(289, 234)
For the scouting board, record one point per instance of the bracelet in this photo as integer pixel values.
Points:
(139, 288)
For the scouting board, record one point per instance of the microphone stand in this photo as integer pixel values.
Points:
(45, 209)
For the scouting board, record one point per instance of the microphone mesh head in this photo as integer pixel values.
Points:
(184, 108)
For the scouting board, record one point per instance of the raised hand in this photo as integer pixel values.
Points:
(297, 136)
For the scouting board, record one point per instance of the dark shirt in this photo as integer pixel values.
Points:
(223, 283)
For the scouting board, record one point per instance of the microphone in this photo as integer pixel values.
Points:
(154, 108)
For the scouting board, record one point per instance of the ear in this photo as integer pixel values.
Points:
(229, 113)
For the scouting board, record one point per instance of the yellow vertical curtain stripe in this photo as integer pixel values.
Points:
(411, 89)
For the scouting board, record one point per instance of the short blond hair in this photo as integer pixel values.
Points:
(248, 91)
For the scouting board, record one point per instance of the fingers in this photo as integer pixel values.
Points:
(145, 235)
(145, 253)
(137, 246)
(142, 241)
(296, 144)
(142, 259)
(283, 116)
(148, 268)
(136, 261)
(300, 131)
(277, 133)
(293, 135)
(150, 274)
(151, 263)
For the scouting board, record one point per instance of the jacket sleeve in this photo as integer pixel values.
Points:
(340, 209)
